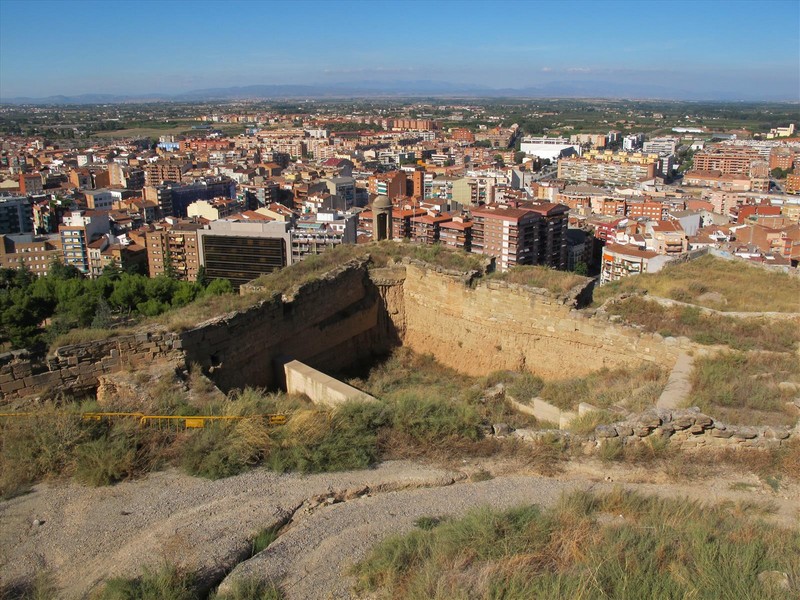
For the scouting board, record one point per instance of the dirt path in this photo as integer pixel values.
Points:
(88, 535)
(679, 384)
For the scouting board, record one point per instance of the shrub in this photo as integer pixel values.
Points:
(317, 442)
(37, 447)
(428, 421)
(221, 450)
(106, 460)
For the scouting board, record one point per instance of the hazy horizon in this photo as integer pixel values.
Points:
(700, 50)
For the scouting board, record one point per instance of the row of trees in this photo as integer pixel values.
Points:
(36, 310)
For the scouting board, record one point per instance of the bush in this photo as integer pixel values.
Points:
(37, 447)
(106, 460)
(222, 449)
(430, 421)
(316, 442)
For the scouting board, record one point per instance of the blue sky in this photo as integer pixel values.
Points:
(148, 46)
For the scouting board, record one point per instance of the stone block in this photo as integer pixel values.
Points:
(606, 431)
(745, 433)
(721, 433)
(775, 433)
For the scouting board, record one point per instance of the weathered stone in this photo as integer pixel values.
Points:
(606, 431)
(703, 421)
(649, 420)
(683, 422)
(721, 433)
(501, 429)
(745, 433)
(623, 430)
(774, 580)
(696, 429)
(789, 386)
(641, 431)
(776, 433)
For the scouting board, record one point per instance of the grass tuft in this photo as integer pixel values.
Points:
(738, 333)
(744, 287)
(613, 545)
(555, 282)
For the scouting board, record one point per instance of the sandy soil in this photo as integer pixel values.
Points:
(85, 535)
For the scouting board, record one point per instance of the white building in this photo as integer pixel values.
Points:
(549, 148)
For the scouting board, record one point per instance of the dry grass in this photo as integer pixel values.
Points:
(740, 334)
(743, 388)
(80, 336)
(556, 282)
(286, 281)
(613, 545)
(744, 287)
(635, 388)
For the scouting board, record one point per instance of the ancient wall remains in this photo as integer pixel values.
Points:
(487, 325)
(331, 323)
(74, 369)
(353, 314)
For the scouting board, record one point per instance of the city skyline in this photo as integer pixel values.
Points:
(698, 50)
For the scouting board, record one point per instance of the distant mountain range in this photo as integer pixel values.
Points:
(401, 89)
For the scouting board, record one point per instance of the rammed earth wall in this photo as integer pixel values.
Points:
(353, 314)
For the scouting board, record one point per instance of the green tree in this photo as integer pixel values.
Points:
(219, 287)
(202, 279)
(102, 316)
(778, 173)
(128, 292)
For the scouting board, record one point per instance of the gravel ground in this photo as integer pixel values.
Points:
(312, 557)
(86, 535)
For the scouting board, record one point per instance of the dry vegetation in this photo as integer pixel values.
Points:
(425, 411)
(743, 388)
(708, 329)
(633, 388)
(714, 283)
(613, 545)
(556, 282)
(286, 281)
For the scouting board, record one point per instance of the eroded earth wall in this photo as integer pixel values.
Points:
(351, 315)
(489, 325)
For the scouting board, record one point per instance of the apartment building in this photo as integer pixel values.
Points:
(30, 183)
(391, 184)
(426, 228)
(165, 170)
(35, 252)
(327, 230)
(535, 235)
(456, 233)
(608, 168)
(623, 261)
(16, 215)
(175, 250)
(728, 160)
(80, 228)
